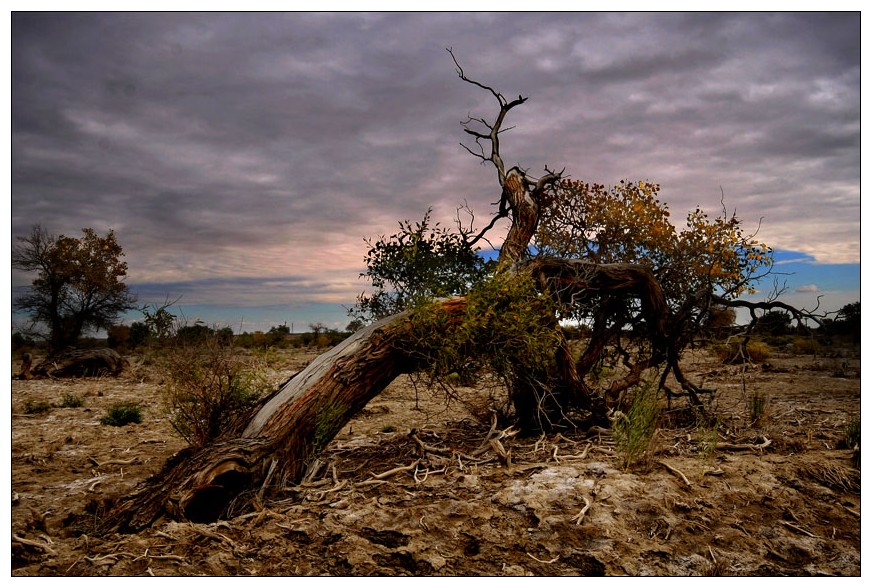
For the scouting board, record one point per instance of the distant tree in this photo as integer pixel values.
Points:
(79, 283)
(21, 342)
(118, 337)
(775, 323)
(355, 325)
(139, 334)
(194, 334)
(719, 321)
(846, 322)
(280, 330)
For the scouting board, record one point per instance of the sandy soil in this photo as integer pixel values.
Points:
(564, 505)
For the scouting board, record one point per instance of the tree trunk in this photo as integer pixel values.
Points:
(275, 446)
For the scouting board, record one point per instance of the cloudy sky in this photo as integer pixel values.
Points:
(242, 158)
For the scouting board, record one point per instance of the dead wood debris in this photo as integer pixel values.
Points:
(31, 543)
(834, 477)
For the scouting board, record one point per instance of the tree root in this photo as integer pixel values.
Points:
(677, 472)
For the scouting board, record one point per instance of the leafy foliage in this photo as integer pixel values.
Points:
(421, 262)
(160, 323)
(627, 223)
(79, 283)
(508, 326)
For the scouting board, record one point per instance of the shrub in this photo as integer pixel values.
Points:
(758, 405)
(852, 439)
(732, 352)
(804, 346)
(852, 433)
(207, 387)
(36, 407)
(122, 413)
(71, 401)
(634, 431)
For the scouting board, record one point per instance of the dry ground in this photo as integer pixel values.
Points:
(790, 508)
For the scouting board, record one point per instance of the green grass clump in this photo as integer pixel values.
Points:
(71, 401)
(852, 433)
(758, 405)
(634, 431)
(36, 407)
(122, 414)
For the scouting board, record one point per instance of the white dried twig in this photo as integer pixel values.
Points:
(677, 472)
(580, 516)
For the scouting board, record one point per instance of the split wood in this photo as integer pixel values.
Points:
(504, 455)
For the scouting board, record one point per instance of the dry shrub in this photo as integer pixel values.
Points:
(804, 346)
(207, 386)
(754, 351)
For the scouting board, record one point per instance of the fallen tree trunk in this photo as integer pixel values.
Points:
(272, 448)
(283, 438)
(80, 362)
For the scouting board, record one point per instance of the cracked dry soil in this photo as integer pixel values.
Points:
(564, 505)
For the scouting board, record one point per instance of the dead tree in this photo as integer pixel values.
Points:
(272, 447)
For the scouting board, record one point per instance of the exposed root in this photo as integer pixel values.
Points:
(677, 472)
(549, 561)
(31, 543)
(120, 462)
(580, 516)
(397, 470)
(799, 529)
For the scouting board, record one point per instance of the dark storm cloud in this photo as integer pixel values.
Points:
(262, 146)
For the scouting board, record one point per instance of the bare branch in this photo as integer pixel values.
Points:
(493, 130)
